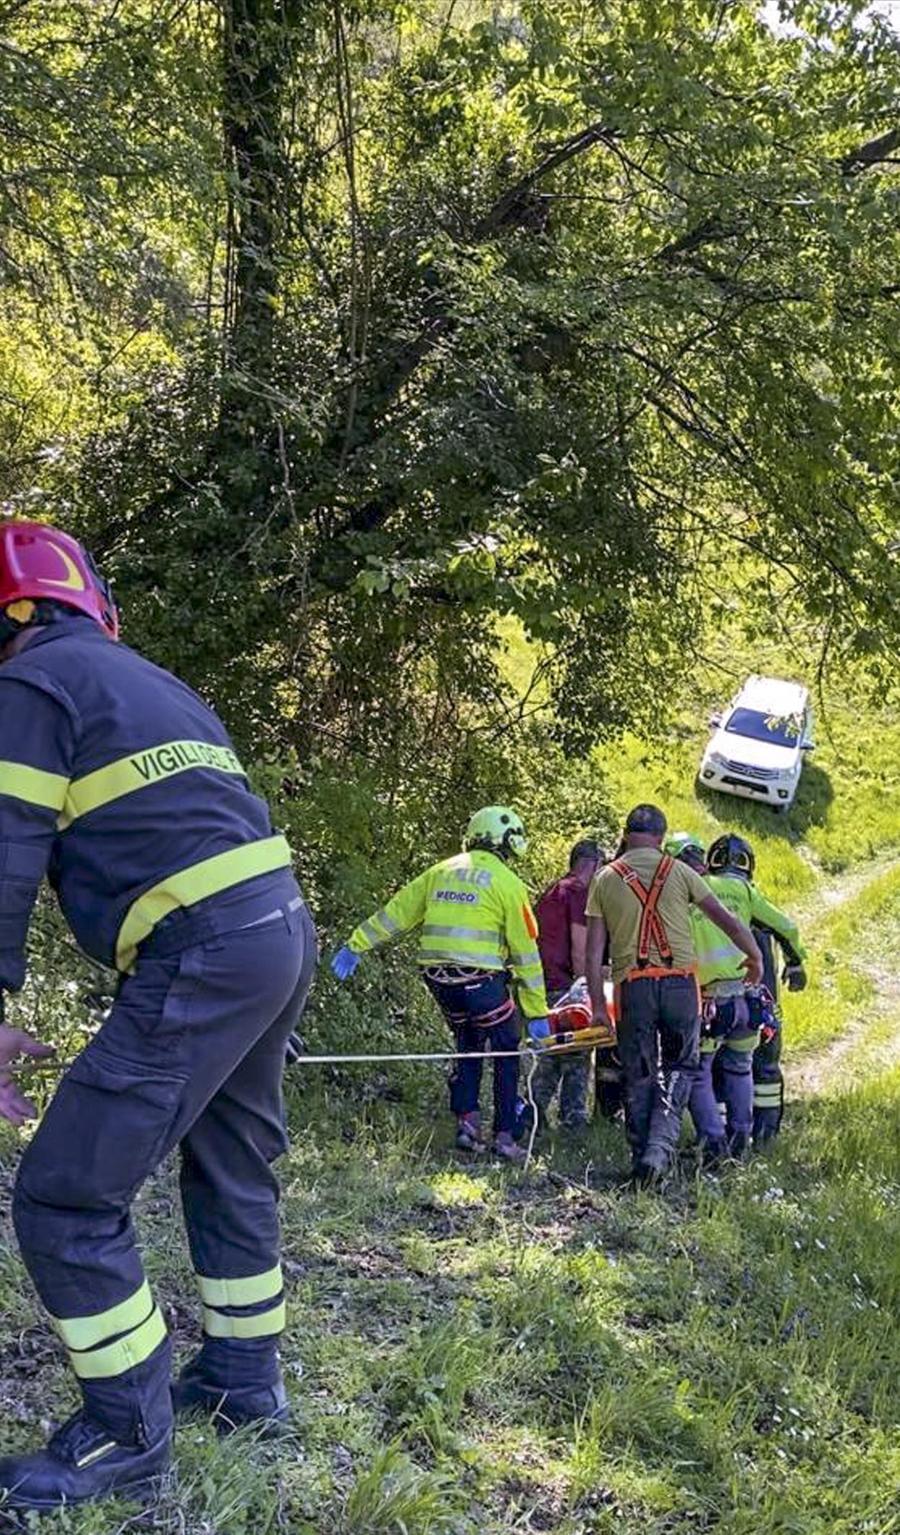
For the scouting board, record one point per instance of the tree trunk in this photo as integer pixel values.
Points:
(256, 63)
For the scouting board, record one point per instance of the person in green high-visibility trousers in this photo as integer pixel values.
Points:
(733, 1014)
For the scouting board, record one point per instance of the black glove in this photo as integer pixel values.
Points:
(795, 977)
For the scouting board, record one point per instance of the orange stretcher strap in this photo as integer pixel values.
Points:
(652, 928)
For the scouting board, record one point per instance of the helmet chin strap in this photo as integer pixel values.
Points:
(24, 614)
(16, 617)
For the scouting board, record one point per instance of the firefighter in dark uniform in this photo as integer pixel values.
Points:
(768, 1077)
(118, 782)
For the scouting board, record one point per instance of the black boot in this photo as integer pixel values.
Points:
(714, 1153)
(233, 1406)
(81, 1462)
(648, 1173)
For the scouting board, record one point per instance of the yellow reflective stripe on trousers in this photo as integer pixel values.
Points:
(742, 1042)
(241, 1292)
(124, 1354)
(80, 1332)
(140, 770)
(188, 886)
(263, 1325)
(33, 785)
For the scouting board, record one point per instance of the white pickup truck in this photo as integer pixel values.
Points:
(758, 742)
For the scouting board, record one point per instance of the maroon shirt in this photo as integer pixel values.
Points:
(558, 909)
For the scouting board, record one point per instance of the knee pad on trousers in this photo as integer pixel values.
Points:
(32, 1220)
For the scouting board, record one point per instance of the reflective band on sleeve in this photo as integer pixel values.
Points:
(263, 1325)
(81, 1332)
(531, 958)
(371, 934)
(531, 982)
(116, 1358)
(188, 886)
(469, 934)
(388, 923)
(33, 786)
(241, 1292)
(142, 769)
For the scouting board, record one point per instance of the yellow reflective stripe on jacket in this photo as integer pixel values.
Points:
(241, 1292)
(124, 1354)
(188, 886)
(264, 1324)
(489, 935)
(35, 787)
(403, 911)
(81, 1332)
(140, 770)
(378, 928)
(529, 961)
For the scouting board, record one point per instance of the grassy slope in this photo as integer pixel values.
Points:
(472, 1349)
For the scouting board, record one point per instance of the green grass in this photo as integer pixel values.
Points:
(477, 1351)
(474, 1351)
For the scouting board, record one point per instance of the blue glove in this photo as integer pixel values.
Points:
(344, 963)
(539, 1028)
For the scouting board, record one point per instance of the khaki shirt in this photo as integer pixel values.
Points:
(610, 898)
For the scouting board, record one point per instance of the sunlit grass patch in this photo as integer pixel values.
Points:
(456, 1187)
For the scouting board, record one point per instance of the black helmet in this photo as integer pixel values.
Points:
(731, 852)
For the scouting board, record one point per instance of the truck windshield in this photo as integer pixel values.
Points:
(777, 729)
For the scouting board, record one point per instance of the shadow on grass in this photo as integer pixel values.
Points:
(814, 797)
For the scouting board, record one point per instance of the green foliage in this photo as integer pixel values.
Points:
(341, 332)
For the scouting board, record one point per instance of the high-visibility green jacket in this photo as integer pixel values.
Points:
(470, 910)
(720, 960)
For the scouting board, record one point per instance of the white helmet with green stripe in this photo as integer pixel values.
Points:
(496, 829)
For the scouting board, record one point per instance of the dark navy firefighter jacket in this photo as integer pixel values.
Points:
(122, 786)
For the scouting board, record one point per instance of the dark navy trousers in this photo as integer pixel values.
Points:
(191, 1054)
(468, 1006)
(658, 1037)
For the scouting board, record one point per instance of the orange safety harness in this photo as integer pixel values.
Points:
(652, 929)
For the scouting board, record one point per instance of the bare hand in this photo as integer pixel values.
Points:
(14, 1106)
(753, 969)
(601, 1018)
(15, 1043)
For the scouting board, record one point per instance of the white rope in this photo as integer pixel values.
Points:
(528, 1052)
(442, 1055)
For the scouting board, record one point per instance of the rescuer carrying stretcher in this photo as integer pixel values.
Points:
(643, 901)
(123, 786)
(478, 957)
(738, 1021)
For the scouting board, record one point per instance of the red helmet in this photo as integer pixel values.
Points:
(39, 562)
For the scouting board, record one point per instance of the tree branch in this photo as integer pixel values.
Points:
(871, 153)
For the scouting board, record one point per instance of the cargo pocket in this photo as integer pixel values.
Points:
(104, 1133)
